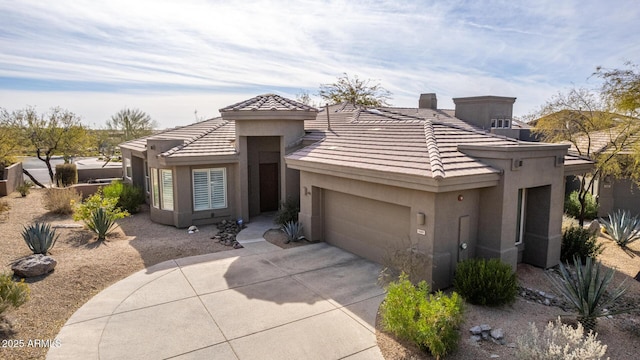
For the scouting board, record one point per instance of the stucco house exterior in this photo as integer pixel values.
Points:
(451, 184)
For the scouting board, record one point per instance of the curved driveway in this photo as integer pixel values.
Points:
(259, 302)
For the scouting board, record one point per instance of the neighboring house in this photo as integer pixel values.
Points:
(613, 193)
(371, 181)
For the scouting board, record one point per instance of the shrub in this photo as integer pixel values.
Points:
(39, 237)
(586, 290)
(622, 227)
(12, 293)
(579, 241)
(24, 188)
(129, 196)
(405, 259)
(288, 212)
(568, 221)
(293, 231)
(4, 206)
(66, 175)
(486, 282)
(430, 321)
(99, 214)
(61, 201)
(559, 341)
(572, 206)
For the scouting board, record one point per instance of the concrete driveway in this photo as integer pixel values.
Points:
(259, 302)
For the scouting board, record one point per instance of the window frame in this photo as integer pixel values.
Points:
(521, 215)
(210, 188)
(155, 188)
(128, 169)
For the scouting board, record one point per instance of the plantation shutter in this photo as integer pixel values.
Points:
(200, 189)
(209, 189)
(218, 189)
(167, 189)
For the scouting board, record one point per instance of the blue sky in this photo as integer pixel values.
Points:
(172, 58)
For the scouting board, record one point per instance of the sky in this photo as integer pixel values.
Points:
(181, 61)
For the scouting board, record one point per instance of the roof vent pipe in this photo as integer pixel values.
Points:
(326, 106)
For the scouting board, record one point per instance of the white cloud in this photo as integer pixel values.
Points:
(179, 51)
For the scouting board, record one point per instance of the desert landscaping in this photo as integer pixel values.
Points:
(85, 267)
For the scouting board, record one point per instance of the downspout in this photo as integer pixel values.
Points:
(328, 120)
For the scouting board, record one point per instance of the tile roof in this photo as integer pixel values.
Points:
(210, 137)
(395, 141)
(268, 102)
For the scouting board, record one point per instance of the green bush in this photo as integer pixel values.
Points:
(99, 214)
(287, 212)
(622, 227)
(129, 196)
(572, 206)
(586, 290)
(12, 293)
(486, 282)
(431, 321)
(39, 237)
(4, 206)
(579, 241)
(24, 188)
(61, 201)
(66, 175)
(559, 341)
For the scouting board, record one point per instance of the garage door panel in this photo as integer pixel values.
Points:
(367, 227)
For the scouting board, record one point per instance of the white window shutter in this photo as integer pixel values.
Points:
(218, 189)
(167, 189)
(200, 190)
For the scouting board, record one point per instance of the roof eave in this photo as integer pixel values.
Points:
(198, 160)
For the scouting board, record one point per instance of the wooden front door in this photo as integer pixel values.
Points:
(268, 187)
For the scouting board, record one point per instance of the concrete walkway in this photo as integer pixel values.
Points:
(259, 302)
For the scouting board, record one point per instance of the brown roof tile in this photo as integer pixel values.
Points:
(268, 102)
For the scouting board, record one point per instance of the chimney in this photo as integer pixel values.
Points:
(428, 101)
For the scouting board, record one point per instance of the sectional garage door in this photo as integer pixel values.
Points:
(369, 228)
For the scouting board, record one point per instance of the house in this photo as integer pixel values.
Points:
(371, 181)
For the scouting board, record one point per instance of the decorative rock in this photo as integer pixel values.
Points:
(34, 265)
(475, 338)
(485, 335)
(494, 356)
(594, 227)
(547, 302)
(485, 327)
(511, 345)
(497, 334)
(476, 330)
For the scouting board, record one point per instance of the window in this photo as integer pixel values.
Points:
(166, 178)
(147, 181)
(500, 123)
(155, 186)
(209, 189)
(522, 197)
(127, 168)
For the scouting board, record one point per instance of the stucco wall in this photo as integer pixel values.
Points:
(11, 178)
(614, 194)
(85, 175)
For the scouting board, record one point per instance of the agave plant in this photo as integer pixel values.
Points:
(293, 229)
(622, 227)
(101, 223)
(39, 237)
(586, 288)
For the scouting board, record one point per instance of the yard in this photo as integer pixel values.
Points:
(86, 267)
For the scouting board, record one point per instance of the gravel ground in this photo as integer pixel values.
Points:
(84, 268)
(620, 333)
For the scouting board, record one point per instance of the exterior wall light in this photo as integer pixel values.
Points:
(420, 218)
(460, 197)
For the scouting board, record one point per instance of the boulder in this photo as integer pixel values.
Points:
(33, 265)
(594, 227)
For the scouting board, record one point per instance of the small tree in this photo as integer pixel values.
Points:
(580, 118)
(621, 88)
(355, 91)
(57, 132)
(132, 123)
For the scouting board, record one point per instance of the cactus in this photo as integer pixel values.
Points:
(293, 229)
(39, 237)
(622, 227)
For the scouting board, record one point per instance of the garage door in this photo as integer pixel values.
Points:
(370, 228)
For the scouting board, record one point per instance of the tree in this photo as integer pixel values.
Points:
(355, 91)
(57, 132)
(132, 123)
(584, 120)
(10, 144)
(621, 88)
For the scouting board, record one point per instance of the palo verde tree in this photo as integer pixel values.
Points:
(9, 143)
(131, 123)
(57, 132)
(355, 91)
(621, 88)
(595, 131)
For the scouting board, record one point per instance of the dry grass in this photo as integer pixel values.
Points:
(85, 267)
(620, 333)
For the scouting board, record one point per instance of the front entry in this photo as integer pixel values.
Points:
(268, 187)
